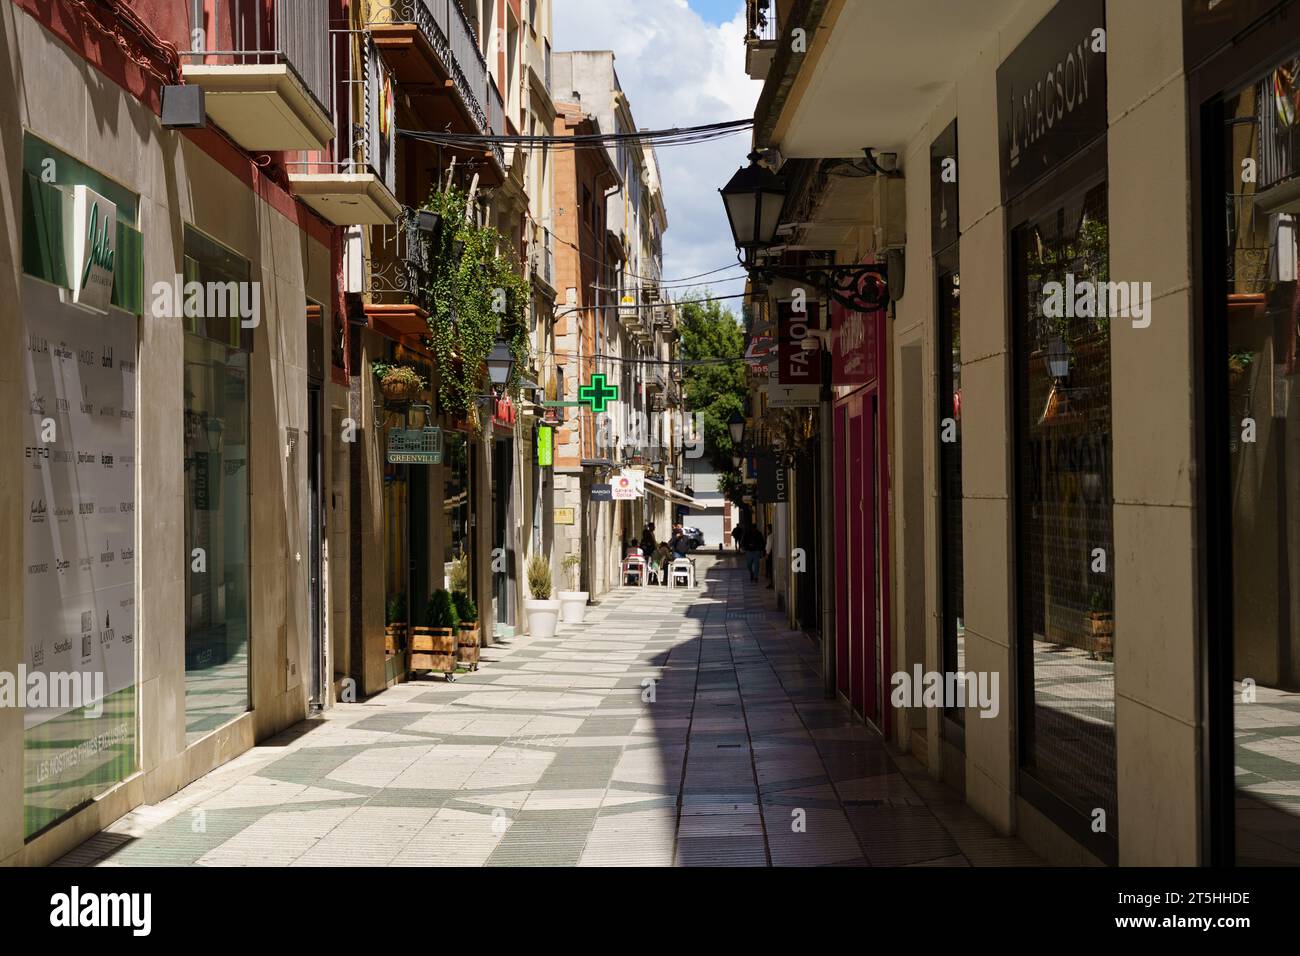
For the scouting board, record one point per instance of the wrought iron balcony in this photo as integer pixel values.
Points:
(264, 68)
(446, 34)
(762, 31)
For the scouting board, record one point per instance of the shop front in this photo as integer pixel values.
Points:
(1054, 187)
(1243, 63)
(863, 655)
(80, 299)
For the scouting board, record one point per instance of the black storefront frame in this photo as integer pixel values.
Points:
(1085, 170)
(1247, 58)
(945, 243)
(946, 263)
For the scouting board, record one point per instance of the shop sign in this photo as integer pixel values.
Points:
(90, 246)
(793, 396)
(415, 446)
(945, 223)
(1210, 25)
(853, 345)
(796, 365)
(564, 515)
(545, 446)
(1052, 93)
(773, 482)
(602, 492)
(629, 485)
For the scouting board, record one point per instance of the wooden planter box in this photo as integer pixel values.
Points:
(433, 649)
(467, 646)
(394, 638)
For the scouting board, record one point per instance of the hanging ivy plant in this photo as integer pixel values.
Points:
(470, 301)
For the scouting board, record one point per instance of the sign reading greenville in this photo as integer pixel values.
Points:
(1052, 93)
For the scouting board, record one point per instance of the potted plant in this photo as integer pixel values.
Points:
(1239, 363)
(467, 642)
(433, 647)
(542, 612)
(398, 383)
(1101, 626)
(395, 624)
(573, 603)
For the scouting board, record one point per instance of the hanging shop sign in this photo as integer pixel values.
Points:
(792, 396)
(797, 365)
(854, 345)
(602, 492)
(773, 481)
(628, 485)
(545, 446)
(415, 446)
(1052, 93)
(564, 515)
(90, 239)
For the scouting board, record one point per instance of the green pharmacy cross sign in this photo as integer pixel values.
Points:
(597, 394)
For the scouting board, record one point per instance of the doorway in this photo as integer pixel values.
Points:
(315, 550)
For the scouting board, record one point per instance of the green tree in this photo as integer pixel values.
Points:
(714, 389)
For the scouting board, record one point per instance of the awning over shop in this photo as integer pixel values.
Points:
(671, 494)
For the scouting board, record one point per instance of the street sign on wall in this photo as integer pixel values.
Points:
(564, 516)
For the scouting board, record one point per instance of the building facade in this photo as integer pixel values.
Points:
(181, 393)
(217, 487)
(1066, 431)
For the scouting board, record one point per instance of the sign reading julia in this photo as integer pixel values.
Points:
(90, 246)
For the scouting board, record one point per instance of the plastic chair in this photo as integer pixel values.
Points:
(634, 565)
(681, 569)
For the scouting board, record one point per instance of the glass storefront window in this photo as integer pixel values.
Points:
(1262, 130)
(455, 512)
(1064, 505)
(216, 501)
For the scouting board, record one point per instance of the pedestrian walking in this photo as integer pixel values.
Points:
(736, 532)
(648, 543)
(771, 576)
(752, 541)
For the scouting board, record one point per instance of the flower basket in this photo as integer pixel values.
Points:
(399, 390)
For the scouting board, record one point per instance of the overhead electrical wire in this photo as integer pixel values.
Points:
(677, 136)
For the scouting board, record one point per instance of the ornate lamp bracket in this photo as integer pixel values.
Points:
(861, 287)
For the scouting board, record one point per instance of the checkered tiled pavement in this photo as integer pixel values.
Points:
(679, 726)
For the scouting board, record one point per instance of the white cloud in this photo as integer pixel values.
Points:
(677, 70)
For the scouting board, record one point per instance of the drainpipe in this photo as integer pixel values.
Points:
(827, 522)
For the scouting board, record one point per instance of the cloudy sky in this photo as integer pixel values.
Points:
(681, 63)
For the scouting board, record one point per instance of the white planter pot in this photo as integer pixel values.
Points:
(573, 606)
(542, 617)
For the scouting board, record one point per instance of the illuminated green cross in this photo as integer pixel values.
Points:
(597, 393)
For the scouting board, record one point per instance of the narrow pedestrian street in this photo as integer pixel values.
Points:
(682, 727)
